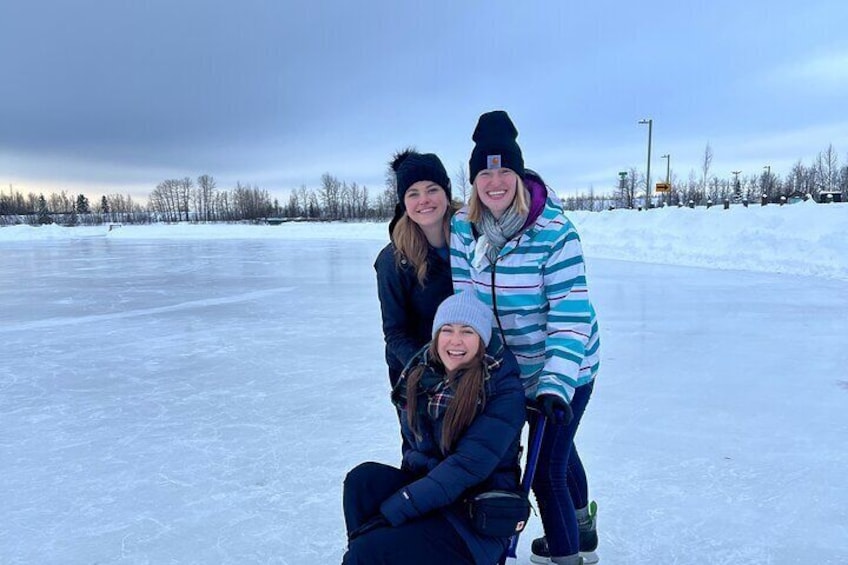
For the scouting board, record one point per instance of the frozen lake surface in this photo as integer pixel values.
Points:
(199, 401)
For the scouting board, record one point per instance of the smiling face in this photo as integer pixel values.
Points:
(426, 203)
(457, 346)
(496, 189)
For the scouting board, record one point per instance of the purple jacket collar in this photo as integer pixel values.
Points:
(538, 197)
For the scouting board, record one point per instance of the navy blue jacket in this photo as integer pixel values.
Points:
(408, 308)
(484, 458)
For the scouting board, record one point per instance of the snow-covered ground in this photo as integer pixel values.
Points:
(195, 394)
(802, 239)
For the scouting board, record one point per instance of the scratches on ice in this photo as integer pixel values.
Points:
(190, 305)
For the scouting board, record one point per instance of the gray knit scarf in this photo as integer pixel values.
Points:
(496, 232)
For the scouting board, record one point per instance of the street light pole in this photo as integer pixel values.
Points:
(667, 158)
(650, 123)
(767, 168)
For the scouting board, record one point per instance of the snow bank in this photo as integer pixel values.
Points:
(802, 239)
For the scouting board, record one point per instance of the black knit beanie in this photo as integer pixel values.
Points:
(410, 167)
(495, 145)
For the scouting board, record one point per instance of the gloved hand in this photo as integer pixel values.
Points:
(378, 521)
(555, 408)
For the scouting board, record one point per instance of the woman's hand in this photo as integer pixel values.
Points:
(555, 408)
(378, 521)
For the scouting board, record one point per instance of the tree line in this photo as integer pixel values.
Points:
(825, 175)
(200, 200)
(68, 209)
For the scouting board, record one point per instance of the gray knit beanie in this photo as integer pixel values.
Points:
(466, 309)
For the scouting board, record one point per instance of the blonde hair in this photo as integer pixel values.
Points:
(520, 204)
(411, 243)
(469, 391)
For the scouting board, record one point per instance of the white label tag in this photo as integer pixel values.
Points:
(493, 162)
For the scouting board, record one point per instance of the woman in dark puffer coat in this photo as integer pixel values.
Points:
(413, 270)
(461, 412)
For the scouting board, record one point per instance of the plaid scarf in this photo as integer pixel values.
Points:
(439, 395)
(434, 394)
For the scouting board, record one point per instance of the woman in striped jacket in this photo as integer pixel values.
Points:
(514, 246)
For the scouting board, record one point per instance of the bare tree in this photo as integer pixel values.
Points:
(164, 200)
(706, 163)
(313, 208)
(223, 206)
(330, 195)
(355, 201)
(827, 169)
(462, 185)
(345, 201)
(205, 194)
(693, 193)
(303, 200)
(184, 188)
(363, 202)
(843, 182)
(60, 203)
(292, 210)
(250, 203)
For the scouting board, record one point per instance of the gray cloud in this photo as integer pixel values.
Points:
(278, 92)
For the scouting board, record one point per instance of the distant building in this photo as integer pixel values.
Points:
(826, 196)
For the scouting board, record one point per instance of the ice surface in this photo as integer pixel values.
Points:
(167, 399)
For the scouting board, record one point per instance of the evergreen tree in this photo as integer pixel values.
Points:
(43, 212)
(82, 205)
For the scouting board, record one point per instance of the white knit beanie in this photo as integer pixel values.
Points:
(466, 309)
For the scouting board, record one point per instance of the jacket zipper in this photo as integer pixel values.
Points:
(495, 305)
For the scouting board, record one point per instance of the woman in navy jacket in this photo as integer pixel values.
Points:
(461, 412)
(413, 271)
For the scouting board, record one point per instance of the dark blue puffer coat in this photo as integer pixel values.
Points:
(484, 458)
(407, 307)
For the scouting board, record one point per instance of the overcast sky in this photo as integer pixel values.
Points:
(110, 96)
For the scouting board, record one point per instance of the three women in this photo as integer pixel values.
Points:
(514, 248)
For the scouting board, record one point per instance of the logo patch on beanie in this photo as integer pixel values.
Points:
(493, 162)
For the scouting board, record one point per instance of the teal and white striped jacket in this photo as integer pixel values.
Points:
(540, 298)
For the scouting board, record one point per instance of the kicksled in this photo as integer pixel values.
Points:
(527, 481)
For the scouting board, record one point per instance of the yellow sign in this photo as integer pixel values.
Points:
(663, 187)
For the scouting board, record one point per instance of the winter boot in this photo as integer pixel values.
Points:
(587, 523)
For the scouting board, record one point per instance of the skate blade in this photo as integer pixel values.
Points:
(589, 557)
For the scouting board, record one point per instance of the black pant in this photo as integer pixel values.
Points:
(425, 541)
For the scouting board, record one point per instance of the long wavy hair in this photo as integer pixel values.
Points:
(467, 383)
(411, 243)
(476, 206)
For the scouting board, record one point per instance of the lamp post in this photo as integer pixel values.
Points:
(667, 158)
(650, 123)
(767, 169)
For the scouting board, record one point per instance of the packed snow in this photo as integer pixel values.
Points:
(802, 239)
(196, 393)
